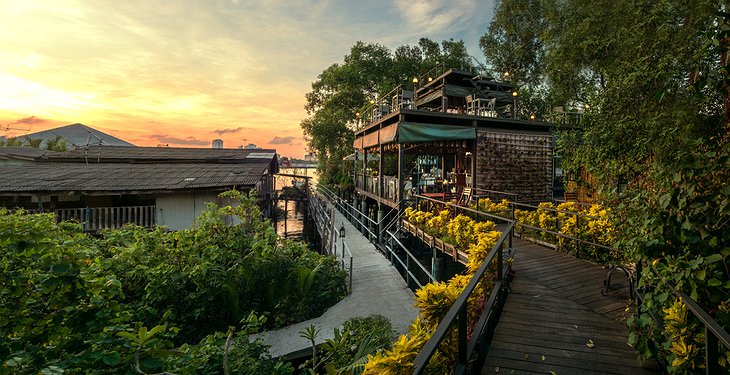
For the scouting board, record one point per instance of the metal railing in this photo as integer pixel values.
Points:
(495, 194)
(714, 333)
(457, 314)
(344, 256)
(98, 218)
(392, 254)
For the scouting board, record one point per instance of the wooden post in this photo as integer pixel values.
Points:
(401, 167)
(380, 172)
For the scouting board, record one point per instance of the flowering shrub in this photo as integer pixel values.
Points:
(435, 299)
(593, 224)
(461, 231)
(437, 224)
(486, 205)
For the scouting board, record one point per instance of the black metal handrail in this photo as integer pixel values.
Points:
(496, 192)
(458, 312)
(514, 204)
(410, 258)
(714, 332)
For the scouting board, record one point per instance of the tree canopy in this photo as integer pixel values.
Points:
(367, 72)
(651, 80)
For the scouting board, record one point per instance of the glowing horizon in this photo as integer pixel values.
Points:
(184, 73)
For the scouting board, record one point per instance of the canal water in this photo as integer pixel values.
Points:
(290, 220)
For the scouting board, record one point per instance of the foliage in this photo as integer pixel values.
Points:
(54, 144)
(368, 71)
(435, 299)
(347, 352)
(72, 302)
(594, 223)
(652, 77)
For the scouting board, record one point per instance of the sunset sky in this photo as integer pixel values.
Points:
(186, 72)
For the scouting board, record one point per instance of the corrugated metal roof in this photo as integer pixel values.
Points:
(93, 154)
(41, 177)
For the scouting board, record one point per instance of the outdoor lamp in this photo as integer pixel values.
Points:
(342, 230)
(430, 79)
(532, 116)
(514, 93)
(415, 79)
(372, 101)
(357, 114)
(506, 74)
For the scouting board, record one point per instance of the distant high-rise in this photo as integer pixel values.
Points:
(217, 143)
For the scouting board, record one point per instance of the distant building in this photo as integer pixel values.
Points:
(108, 186)
(250, 146)
(217, 143)
(311, 157)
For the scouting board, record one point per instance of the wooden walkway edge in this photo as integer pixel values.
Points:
(555, 319)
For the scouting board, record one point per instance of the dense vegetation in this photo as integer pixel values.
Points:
(138, 301)
(54, 144)
(368, 72)
(650, 80)
(652, 77)
(434, 300)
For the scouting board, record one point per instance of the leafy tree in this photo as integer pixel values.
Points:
(513, 41)
(653, 75)
(56, 144)
(368, 71)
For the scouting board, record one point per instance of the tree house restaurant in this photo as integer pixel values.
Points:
(455, 131)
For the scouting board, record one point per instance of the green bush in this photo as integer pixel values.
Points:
(72, 302)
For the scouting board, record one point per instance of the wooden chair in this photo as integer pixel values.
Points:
(465, 197)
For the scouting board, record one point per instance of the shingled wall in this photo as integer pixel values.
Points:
(519, 163)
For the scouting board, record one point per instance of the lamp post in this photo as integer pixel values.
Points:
(514, 104)
(415, 83)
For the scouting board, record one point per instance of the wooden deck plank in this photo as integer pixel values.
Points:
(555, 309)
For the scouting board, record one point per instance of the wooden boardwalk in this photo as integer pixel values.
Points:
(555, 319)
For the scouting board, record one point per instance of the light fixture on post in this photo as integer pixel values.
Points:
(415, 83)
(532, 116)
(342, 230)
(430, 79)
(514, 93)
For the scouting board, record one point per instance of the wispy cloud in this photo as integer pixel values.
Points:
(281, 140)
(32, 120)
(188, 141)
(228, 130)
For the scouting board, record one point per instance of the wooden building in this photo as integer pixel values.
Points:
(456, 130)
(108, 186)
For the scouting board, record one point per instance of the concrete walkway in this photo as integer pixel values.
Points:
(377, 288)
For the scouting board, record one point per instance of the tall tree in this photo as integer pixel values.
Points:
(369, 71)
(652, 76)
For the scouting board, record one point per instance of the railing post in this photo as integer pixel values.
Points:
(461, 362)
(350, 273)
(381, 225)
(408, 271)
(712, 354)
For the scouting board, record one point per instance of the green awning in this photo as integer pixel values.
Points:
(412, 132)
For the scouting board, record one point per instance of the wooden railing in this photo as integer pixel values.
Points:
(97, 218)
